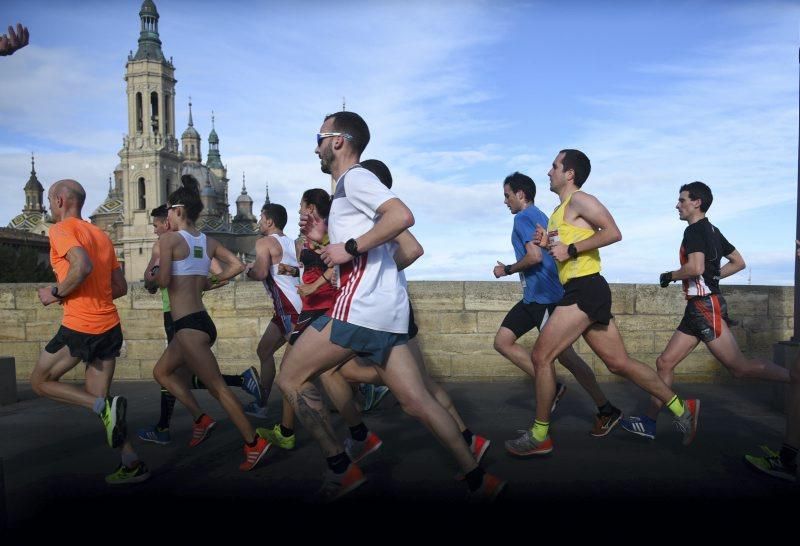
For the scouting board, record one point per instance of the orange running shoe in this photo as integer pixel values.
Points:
(201, 429)
(252, 455)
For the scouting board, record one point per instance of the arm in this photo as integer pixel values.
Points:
(592, 211)
(533, 256)
(80, 266)
(734, 265)
(213, 282)
(149, 279)
(119, 286)
(395, 218)
(259, 270)
(694, 266)
(306, 290)
(231, 265)
(408, 250)
(165, 245)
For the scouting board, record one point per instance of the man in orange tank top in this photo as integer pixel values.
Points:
(585, 309)
(89, 279)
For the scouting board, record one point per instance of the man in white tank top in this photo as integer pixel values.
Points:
(272, 249)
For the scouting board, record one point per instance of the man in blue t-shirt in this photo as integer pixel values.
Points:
(541, 290)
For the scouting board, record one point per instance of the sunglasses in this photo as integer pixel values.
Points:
(323, 136)
(175, 206)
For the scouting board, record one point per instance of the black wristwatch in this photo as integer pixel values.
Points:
(507, 269)
(351, 247)
(54, 292)
(572, 251)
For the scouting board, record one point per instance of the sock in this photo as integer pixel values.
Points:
(338, 463)
(253, 443)
(198, 418)
(539, 430)
(286, 432)
(233, 380)
(788, 456)
(467, 434)
(606, 409)
(474, 478)
(167, 406)
(359, 432)
(675, 405)
(128, 458)
(99, 405)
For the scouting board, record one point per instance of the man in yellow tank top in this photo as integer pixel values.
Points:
(578, 227)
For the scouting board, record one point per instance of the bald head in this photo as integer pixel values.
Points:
(70, 191)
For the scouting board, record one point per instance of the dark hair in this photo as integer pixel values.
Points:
(188, 195)
(379, 169)
(276, 213)
(578, 162)
(320, 199)
(354, 125)
(698, 190)
(521, 182)
(159, 212)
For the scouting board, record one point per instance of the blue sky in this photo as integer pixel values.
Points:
(458, 94)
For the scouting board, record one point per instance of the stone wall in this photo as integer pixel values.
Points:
(457, 323)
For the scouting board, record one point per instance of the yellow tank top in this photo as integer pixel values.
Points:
(560, 231)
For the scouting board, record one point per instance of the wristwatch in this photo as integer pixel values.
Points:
(54, 292)
(351, 247)
(572, 251)
(507, 269)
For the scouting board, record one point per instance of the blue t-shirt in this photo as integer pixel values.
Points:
(540, 283)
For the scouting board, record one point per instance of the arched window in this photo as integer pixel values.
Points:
(142, 201)
(154, 111)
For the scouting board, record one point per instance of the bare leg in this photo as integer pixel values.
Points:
(583, 374)
(433, 387)
(271, 341)
(341, 395)
(678, 348)
(49, 369)
(169, 373)
(725, 349)
(98, 382)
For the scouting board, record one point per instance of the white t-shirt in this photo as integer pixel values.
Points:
(283, 288)
(371, 293)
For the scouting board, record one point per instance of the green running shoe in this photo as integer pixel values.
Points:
(123, 474)
(113, 417)
(772, 466)
(275, 437)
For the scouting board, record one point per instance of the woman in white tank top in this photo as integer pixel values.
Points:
(185, 258)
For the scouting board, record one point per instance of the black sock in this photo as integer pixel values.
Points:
(339, 463)
(167, 406)
(253, 443)
(286, 432)
(788, 456)
(199, 417)
(475, 478)
(467, 434)
(233, 380)
(606, 409)
(196, 383)
(359, 432)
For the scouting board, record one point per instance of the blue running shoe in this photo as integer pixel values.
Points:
(251, 384)
(643, 426)
(254, 410)
(155, 435)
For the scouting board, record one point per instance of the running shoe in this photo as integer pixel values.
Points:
(201, 430)
(367, 391)
(276, 437)
(113, 417)
(478, 446)
(357, 450)
(526, 445)
(123, 474)
(603, 424)
(643, 426)
(687, 423)
(251, 384)
(254, 454)
(155, 435)
(378, 393)
(488, 491)
(254, 410)
(335, 486)
(772, 465)
(561, 389)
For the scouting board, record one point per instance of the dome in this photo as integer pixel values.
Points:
(191, 132)
(148, 8)
(212, 137)
(244, 198)
(202, 174)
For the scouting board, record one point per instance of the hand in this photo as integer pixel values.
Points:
(284, 269)
(665, 279)
(46, 296)
(499, 270)
(305, 290)
(559, 252)
(540, 236)
(211, 285)
(13, 40)
(313, 227)
(335, 255)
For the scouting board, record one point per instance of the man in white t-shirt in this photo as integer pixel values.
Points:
(369, 317)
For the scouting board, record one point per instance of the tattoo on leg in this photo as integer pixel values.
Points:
(314, 415)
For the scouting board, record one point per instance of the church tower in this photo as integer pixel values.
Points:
(150, 159)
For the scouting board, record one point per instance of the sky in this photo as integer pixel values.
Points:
(457, 94)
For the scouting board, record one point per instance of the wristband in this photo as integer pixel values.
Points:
(572, 251)
(351, 247)
(54, 292)
(507, 269)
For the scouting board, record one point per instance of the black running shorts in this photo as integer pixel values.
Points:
(169, 327)
(703, 317)
(524, 317)
(197, 321)
(89, 347)
(592, 295)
